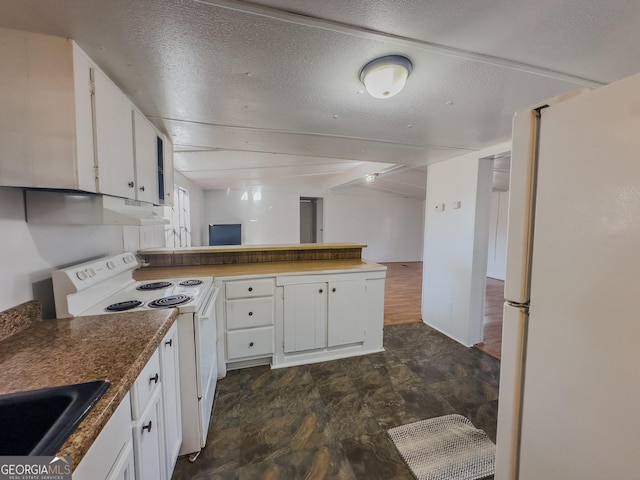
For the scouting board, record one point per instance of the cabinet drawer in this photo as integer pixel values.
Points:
(249, 312)
(260, 287)
(144, 386)
(250, 343)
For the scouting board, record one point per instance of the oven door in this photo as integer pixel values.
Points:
(206, 337)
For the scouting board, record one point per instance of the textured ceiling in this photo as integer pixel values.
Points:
(266, 93)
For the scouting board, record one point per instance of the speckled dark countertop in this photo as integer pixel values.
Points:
(50, 353)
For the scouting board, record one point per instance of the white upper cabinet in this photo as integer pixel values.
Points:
(64, 124)
(114, 138)
(166, 198)
(146, 158)
(44, 138)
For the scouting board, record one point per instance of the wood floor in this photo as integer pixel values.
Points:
(403, 293)
(493, 302)
(403, 296)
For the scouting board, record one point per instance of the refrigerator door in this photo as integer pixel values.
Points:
(522, 197)
(514, 322)
(581, 380)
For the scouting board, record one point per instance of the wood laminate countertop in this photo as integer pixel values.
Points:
(249, 248)
(66, 351)
(259, 269)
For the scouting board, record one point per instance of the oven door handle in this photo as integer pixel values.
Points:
(208, 307)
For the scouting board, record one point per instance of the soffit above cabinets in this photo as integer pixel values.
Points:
(270, 83)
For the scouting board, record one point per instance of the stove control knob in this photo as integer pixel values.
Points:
(82, 275)
(91, 272)
(126, 259)
(111, 265)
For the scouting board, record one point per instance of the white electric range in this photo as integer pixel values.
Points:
(107, 286)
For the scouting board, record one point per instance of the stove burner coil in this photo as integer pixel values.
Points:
(170, 301)
(123, 306)
(190, 283)
(154, 286)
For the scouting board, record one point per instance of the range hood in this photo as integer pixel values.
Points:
(54, 207)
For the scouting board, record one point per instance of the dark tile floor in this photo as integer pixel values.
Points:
(329, 420)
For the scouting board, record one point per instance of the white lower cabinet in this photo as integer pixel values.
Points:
(347, 308)
(170, 374)
(148, 441)
(305, 317)
(300, 318)
(248, 320)
(326, 314)
(147, 419)
(142, 439)
(111, 454)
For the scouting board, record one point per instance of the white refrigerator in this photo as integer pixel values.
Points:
(569, 405)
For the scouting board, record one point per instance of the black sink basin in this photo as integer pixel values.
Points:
(38, 422)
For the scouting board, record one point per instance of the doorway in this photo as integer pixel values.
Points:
(310, 220)
(496, 259)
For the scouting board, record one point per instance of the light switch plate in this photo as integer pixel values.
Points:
(439, 207)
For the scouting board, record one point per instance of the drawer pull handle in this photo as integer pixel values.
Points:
(170, 342)
(251, 344)
(320, 291)
(251, 289)
(154, 378)
(147, 427)
(250, 314)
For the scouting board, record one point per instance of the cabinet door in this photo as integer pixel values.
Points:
(305, 317)
(110, 453)
(86, 171)
(146, 160)
(114, 138)
(167, 170)
(148, 442)
(347, 309)
(124, 467)
(169, 370)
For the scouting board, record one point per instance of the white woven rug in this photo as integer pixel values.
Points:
(445, 448)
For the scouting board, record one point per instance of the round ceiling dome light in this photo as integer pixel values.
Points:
(386, 76)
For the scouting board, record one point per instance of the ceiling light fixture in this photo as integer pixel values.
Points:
(384, 77)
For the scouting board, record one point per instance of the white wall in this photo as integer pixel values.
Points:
(272, 219)
(391, 225)
(28, 253)
(456, 244)
(497, 257)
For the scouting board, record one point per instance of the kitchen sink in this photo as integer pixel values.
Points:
(38, 422)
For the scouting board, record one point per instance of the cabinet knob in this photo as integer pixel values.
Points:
(147, 427)
(333, 289)
(142, 188)
(251, 289)
(250, 314)
(131, 184)
(251, 344)
(154, 378)
(320, 291)
(170, 342)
